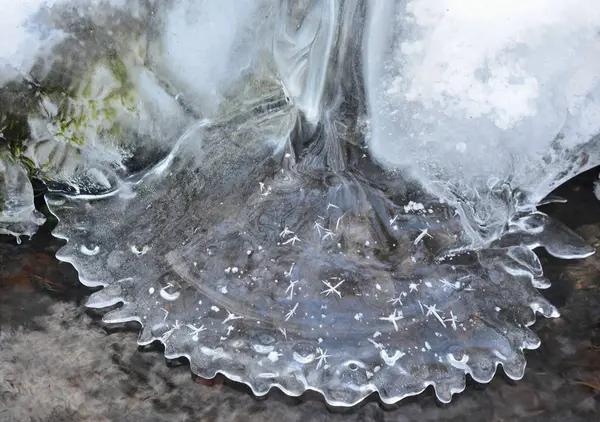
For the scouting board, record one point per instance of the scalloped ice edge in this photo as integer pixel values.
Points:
(125, 314)
(108, 297)
(387, 400)
(333, 403)
(370, 388)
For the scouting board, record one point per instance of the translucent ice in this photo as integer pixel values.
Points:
(467, 93)
(335, 196)
(333, 282)
(23, 42)
(212, 52)
(83, 101)
(18, 215)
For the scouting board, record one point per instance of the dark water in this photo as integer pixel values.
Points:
(58, 362)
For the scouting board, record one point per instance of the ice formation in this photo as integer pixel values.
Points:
(519, 73)
(76, 98)
(18, 215)
(331, 196)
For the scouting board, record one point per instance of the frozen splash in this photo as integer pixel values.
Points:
(277, 280)
(254, 212)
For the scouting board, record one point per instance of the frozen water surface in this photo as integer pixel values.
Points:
(331, 196)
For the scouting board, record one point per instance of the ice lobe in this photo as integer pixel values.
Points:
(470, 91)
(18, 215)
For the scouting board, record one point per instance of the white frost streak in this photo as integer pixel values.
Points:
(424, 233)
(169, 296)
(230, 317)
(432, 310)
(291, 312)
(391, 360)
(332, 289)
(393, 318)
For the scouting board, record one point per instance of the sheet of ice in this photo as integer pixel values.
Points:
(271, 271)
(280, 253)
(467, 92)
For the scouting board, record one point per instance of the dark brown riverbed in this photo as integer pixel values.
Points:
(59, 363)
